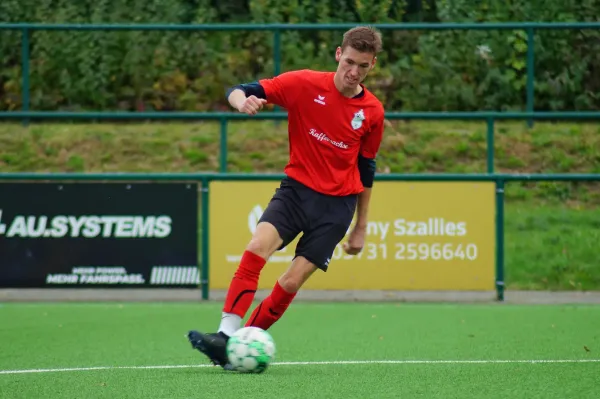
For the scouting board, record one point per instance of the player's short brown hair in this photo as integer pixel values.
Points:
(365, 39)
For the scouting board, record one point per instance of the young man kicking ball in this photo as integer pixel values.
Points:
(335, 131)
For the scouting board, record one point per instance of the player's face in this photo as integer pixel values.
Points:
(353, 66)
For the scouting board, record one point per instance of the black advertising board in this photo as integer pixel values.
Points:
(98, 235)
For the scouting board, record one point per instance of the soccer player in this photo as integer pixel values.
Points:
(335, 128)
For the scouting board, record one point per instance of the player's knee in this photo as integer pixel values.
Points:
(258, 247)
(290, 282)
(265, 240)
(295, 277)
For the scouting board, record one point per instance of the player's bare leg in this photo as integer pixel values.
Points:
(264, 243)
(286, 287)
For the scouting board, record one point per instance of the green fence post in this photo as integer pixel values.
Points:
(500, 239)
(530, 73)
(490, 145)
(25, 72)
(205, 239)
(276, 52)
(223, 152)
(276, 59)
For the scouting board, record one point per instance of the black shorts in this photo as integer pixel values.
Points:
(323, 219)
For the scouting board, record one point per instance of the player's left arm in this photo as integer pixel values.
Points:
(367, 165)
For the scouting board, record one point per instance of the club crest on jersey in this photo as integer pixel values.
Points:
(358, 119)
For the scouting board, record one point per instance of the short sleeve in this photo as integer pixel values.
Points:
(371, 141)
(283, 89)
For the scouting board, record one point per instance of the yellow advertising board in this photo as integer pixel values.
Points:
(421, 236)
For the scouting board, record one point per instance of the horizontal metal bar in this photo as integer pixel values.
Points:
(283, 115)
(138, 115)
(305, 26)
(277, 176)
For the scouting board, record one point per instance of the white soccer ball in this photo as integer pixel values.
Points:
(250, 350)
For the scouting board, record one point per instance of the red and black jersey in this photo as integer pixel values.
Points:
(327, 131)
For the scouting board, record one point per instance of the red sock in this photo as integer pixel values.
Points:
(243, 285)
(271, 308)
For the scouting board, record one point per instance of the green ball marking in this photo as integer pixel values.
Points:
(262, 354)
(246, 349)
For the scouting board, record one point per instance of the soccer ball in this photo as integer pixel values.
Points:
(250, 350)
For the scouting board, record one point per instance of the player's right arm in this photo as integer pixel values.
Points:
(248, 98)
(281, 90)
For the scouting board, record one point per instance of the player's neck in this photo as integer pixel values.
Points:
(348, 93)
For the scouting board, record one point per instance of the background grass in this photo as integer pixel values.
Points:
(551, 247)
(408, 146)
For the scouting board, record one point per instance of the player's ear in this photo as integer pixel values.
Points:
(374, 62)
(338, 54)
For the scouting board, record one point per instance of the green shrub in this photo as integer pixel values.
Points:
(424, 70)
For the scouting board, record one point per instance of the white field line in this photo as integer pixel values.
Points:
(333, 363)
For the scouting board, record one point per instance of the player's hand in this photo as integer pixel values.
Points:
(252, 105)
(356, 241)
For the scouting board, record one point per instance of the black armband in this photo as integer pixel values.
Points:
(366, 167)
(250, 89)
